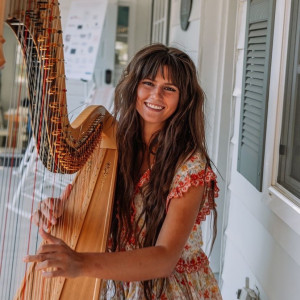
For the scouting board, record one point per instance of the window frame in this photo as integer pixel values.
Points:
(276, 197)
(287, 134)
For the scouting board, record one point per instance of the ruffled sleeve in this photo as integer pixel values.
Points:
(194, 172)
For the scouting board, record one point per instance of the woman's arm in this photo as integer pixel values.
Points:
(136, 265)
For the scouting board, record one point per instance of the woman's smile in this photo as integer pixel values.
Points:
(155, 107)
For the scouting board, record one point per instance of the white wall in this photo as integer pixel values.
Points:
(261, 231)
(209, 40)
(185, 40)
(141, 25)
(262, 235)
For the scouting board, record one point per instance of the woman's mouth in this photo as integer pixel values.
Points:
(154, 106)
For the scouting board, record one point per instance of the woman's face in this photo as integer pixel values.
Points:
(157, 100)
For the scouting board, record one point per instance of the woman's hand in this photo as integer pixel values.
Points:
(50, 210)
(56, 258)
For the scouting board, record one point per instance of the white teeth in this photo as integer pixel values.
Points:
(154, 106)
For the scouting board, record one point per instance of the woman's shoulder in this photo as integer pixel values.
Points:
(194, 171)
(193, 163)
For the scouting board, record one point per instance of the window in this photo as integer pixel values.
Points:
(121, 47)
(160, 21)
(289, 161)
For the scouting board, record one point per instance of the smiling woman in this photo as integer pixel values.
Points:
(165, 188)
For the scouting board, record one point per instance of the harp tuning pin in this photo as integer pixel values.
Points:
(51, 78)
(55, 105)
(41, 38)
(57, 144)
(43, 48)
(49, 58)
(48, 65)
(55, 119)
(56, 132)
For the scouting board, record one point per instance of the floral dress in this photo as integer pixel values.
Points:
(192, 277)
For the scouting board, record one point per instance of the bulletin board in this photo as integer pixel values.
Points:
(82, 37)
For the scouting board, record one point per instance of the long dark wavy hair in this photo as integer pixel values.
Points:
(182, 135)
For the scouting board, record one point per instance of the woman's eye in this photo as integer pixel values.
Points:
(168, 88)
(148, 83)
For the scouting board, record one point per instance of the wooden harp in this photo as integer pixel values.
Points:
(86, 146)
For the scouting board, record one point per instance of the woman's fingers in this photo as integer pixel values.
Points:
(40, 220)
(36, 217)
(51, 209)
(56, 273)
(48, 212)
(56, 258)
(50, 238)
(34, 258)
(43, 220)
(53, 248)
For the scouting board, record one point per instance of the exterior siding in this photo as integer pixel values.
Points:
(260, 244)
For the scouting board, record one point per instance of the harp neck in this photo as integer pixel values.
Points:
(63, 147)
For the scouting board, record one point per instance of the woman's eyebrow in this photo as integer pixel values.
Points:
(167, 83)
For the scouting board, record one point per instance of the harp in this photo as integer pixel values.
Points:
(86, 146)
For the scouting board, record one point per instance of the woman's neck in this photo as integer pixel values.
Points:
(147, 160)
(148, 132)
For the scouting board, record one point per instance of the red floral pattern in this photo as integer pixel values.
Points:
(194, 265)
(192, 277)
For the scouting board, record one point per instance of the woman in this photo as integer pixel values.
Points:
(165, 188)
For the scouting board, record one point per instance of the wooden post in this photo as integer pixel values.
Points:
(2, 40)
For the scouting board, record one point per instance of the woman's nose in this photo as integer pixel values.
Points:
(157, 92)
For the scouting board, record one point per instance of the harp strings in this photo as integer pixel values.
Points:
(47, 49)
(8, 220)
(39, 84)
(37, 26)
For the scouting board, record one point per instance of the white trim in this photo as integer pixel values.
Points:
(284, 208)
(277, 198)
(277, 85)
(217, 71)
